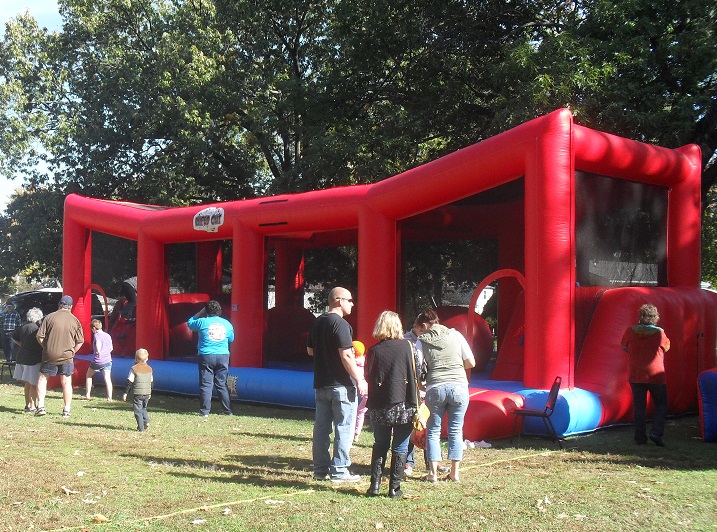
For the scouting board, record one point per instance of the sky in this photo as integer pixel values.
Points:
(47, 15)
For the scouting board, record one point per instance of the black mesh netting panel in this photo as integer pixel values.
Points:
(621, 229)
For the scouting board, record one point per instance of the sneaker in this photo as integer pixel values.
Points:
(482, 444)
(40, 411)
(408, 471)
(30, 410)
(205, 416)
(346, 478)
(443, 469)
(320, 477)
(65, 413)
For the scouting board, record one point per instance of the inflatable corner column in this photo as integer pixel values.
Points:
(247, 312)
(550, 258)
(378, 254)
(77, 272)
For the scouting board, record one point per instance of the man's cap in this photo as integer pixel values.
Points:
(10, 304)
(66, 300)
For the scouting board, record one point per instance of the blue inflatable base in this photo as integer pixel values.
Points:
(279, 387)
(577, 410)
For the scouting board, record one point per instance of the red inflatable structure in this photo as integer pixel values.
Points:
(546, 191)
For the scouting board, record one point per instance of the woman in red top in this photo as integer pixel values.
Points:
(646, 345)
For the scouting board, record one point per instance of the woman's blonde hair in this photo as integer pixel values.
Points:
(142, 355)
(388, 326)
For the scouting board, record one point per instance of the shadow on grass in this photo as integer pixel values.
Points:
(684, 449)
(257, 470)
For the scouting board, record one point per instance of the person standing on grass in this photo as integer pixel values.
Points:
(392, 392)
(10, 320)
(330, 342)
(139, 383)
(447, 355)
(646, 345)
(101, 361)
(215, 335)
(28, 356)
(60, 335)
(361, 408)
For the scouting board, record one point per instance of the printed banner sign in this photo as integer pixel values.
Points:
(209, 219)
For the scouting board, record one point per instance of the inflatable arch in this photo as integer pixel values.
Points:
(552, 321)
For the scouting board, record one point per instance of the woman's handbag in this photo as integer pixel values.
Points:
(418, 434)
(420, 419)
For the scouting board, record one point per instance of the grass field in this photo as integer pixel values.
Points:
(252, 471)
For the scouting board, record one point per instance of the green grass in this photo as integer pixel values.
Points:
(253, 472)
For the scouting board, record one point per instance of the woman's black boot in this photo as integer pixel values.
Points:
(398, 464)
(377, 461)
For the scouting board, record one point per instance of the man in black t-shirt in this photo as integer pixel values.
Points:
(336, 379)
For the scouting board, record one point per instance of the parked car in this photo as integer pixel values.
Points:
(47, 299)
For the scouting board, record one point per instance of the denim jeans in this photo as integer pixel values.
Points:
(335, 411)
(8, 346)
(658, 392)
(411, 460)
(139, 406)
(213, 374)
(449, 398)
(382, 438)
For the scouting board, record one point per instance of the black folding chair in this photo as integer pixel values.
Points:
(10, 367)
(543, 414)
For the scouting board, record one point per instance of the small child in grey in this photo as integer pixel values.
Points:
(139, 383)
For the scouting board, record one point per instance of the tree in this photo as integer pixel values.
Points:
(193, 101)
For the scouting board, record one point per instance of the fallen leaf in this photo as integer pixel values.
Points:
(89, 501)
(99, 518)
(378, 526)
(80, 473)
(198, 522)
(68, 491)
(272, 501)
(226, 511)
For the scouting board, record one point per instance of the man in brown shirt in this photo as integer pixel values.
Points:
(60, 335)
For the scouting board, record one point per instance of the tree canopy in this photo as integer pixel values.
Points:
(179, 102)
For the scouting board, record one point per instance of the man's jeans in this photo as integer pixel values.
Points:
(213, 374)
(335, 411)
(450, 398)
(8, 346)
